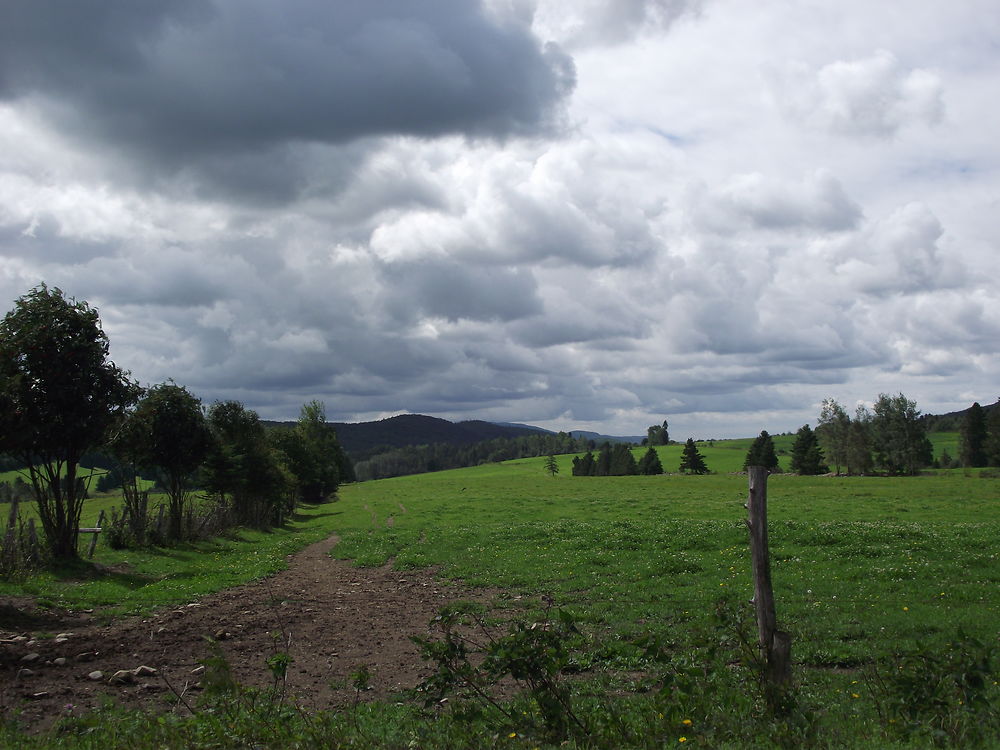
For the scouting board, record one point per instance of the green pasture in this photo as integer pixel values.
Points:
(863, 568)
(861, 565)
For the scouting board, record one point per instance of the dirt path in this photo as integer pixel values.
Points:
(335, 618)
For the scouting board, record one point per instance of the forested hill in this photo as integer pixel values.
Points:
(362, 440)
(952, 421)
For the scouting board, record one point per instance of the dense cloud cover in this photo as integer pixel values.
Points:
(586, 214)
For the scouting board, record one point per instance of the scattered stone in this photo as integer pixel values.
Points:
(66, 636)
(86, 656)
(220, 635)
(60, 662)
(25, 672)
(96, 675)
(122, 677)
(144, 671)
(39, 696)
(29, 658)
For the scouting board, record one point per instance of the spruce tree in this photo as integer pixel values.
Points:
(650, 463)
(972, 438)
(762, 453)
(807, 456)
(691, 460)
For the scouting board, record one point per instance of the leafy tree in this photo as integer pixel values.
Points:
(314, 454)
(972, 438)
(762, 453)
(691, 460)
(650, 463)
(244, 466)
(59, 394)
(833, 432)
(551, 466)
(901, 447)
(807, 456)
(658, 434)
(171, 437)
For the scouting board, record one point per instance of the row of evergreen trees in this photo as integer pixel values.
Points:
(617, 460)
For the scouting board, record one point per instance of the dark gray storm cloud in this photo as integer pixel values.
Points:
(178, 82)
(446, 289)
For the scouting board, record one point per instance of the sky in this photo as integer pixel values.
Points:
(578, 214)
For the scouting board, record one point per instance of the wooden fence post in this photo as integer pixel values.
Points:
(96, 532)
(775, 645)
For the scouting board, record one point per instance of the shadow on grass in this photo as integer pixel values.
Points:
(80, 571)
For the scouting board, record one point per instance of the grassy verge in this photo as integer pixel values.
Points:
(138, 581)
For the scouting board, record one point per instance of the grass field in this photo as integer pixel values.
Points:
(863, 567)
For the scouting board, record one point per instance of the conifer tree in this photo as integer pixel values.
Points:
(762, 453)
(650, 463)
(807, 456)
(691, 460)
(972, 438)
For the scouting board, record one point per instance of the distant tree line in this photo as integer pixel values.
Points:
(417, 459)
(62, 399)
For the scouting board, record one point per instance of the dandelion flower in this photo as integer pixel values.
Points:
(682, 739)
(686, 722)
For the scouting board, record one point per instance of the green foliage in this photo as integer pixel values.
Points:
(972, 440)
(658, 434)
(59, 394)
(650, 463)
(992, 443)
(807, 456)
(171, 437)
(245, 469)
(833, 432)
(898, 438)
(473, 659)
(762, 453)
(691, 459)
(551, 466)
(313, 454)
(945, 694)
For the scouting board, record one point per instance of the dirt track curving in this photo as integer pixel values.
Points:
(333, 617)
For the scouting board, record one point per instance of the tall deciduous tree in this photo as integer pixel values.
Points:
(245, 467)
(807, 456)
(972, 437)
(59, 394)
(833, 431)
(691, 459)
(314, 454)
(901, 446)
(174, 439)
(658, 434)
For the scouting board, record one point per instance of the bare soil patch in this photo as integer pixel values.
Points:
(333, 617)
